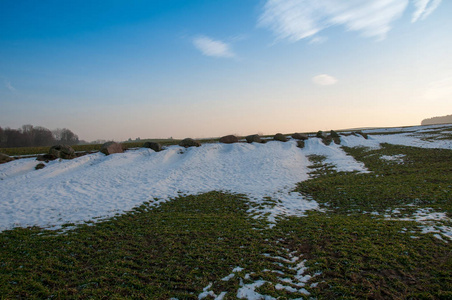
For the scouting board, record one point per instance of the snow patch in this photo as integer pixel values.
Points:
(95, 186)
(334, 156)
(393, 158)
(408, 139)
(430, 222)
(248, 291)
(359, 141)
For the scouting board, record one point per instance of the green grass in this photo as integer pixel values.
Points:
(363, 255)
(171, 251)
(360, 257)
(96, 147)
(42, 150)
(181, 246)
(423, 179)
(87, 148)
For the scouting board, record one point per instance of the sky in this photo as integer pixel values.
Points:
(116, 69)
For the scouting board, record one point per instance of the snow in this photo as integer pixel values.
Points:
(17, 167)
(359, 141)
(230, 276)
(94, 187)
(334, 156)
(221, 296)
(408, 139)
(285, 287)
(206, 292)
(296, 264)
(430, 222)
(415, 136)
(421, 128)
(393, 158)
(247, 291)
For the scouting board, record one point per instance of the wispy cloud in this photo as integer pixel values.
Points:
(324, 79)
(298, 19)
(210, 47)
(9, 86)
(318, 40)
(424, 8)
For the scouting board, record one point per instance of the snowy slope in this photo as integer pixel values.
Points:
(431, 136)
(97, 186)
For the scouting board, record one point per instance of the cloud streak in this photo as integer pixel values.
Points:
(324, 79)
(299, 19)
(210, 47)
(424, 8)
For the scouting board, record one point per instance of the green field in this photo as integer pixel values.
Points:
(364, 243)
(79, 148)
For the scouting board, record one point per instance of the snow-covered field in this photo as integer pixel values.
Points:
(417, 136)
(96, 186)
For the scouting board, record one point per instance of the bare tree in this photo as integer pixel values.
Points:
(57, 134)
(27, 135)
(42, 137)
(13, 138)
(30, 136)
(68, 137)
(2, 138)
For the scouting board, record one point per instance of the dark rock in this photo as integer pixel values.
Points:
(229, 139)
(360, 133)
(46, 157)
(327, 140)
(40, 166)
(320, 134)
(334, 134)
(111, 148)
(364, 135)
(188, 142)
(62, 151)
(254, 138)
(154, 146)
(280, 137)
(300, 144)
(5, 158)
(300, 136)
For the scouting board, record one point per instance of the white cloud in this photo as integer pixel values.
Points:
(324, 79)
(212, 47)
(9, 86)
(424, 8)
(318, 40)
(298, 19)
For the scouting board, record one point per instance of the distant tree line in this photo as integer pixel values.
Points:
(36, 136)
(437, 120)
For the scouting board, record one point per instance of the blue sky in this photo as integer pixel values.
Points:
(150, 69)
